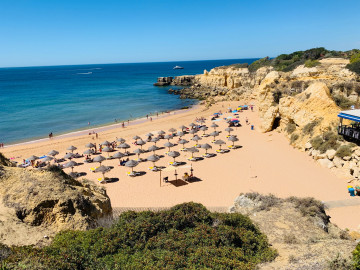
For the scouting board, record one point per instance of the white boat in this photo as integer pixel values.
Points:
(178, 67)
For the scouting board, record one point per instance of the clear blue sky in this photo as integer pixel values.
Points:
(59, 32)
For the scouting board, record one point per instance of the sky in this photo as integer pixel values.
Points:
(65, 32)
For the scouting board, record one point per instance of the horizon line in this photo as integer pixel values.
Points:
(133, 62)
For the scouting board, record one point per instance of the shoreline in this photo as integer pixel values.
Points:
(105, 127)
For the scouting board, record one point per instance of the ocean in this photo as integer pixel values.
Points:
(59, 99)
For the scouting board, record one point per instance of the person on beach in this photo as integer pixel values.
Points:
(150, 119)
(123, 124)
(147, 116)
(128, 121)
(89, 123)
(96, 136)
(247, 121)
(50, 135)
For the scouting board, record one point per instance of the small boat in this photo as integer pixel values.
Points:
(178, 67)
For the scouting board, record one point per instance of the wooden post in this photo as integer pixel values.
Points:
(160, 178)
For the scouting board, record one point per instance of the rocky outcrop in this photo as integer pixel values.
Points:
(163, 81)
(51, 201)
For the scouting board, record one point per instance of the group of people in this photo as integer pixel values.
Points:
(1, 145)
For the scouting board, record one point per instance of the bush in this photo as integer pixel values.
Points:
(311, 63)
(355, 58)
(354, 67)
(327, 142)
(290, 238)
(293, 138)
(266, 201)
(259, 63)
(290, 127)
(343, 151)
(187, 236)
(316, 142)
(340, 263)
(276, 96)
(308, 129)
(342, 102)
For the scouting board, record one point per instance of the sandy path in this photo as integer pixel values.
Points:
(266, 163)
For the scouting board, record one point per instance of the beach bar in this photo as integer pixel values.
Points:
(352, 131)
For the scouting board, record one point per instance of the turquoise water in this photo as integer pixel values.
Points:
(38, 100)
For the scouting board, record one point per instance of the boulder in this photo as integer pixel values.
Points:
(326, 163)
(330, 154)
(338, 162)
(308, 146)
(269, 118)
(347, 158)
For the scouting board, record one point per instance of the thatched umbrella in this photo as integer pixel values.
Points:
(161, 132)
(214, 134)
(214, 126)
(69, 156)
(123, 146)
(182, 127)
(204, 128)
(233, 139)
(174, 154)
(88, 152)
(70, 164)
(107, 149)
(206, 146)
(90, 145)
(47, 159)
(149, 134)
(192, 125)
(131, 164)
(154, 140)
(220, 143)
(53, 153)
(106, 143)
(140, 142)
(103, 169)
(153, 159)
(172, 130)
(192, 150)
(121, 140)
(118, 155)
(229, 129)
(153, 148)
(193, 131)
(136, 137)
(196, 138)
(99, 159)
(138, 151)
(71, 148)
(169, 144)
(168, 136)
(183, 142)
(180, 133)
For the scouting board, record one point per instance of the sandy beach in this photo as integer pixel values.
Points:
(265, 163)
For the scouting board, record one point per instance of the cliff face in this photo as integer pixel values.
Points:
(37, 203)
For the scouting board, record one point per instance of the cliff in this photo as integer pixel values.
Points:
(36, 204)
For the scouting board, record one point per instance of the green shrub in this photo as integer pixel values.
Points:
(308, 129)
(187, 236)
(355, 58)
(327, 142)
(340, 263)
(343, 151)
(342, 101)
(354, 67)
(276, 96)
(316, 142)
(311, 63)
(290, 238)
(293, 138)
(356, 257)
(290, 127)
(259, 63)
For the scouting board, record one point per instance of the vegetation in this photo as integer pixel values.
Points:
(290, 127)
(187, 236)
(354, 67)
(308, 129)
(293, 138)
(328, 141)
(276, 96)
(356, 257)
(344, 151)
(311, 63)
(342, 101)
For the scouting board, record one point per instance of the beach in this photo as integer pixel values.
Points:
(265, 163)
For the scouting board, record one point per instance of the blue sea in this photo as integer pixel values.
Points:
(38, 100)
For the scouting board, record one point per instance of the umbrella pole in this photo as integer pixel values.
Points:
(160, 178)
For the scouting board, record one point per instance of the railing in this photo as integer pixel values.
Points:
(349, 132)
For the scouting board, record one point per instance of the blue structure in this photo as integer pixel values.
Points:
(350, 132)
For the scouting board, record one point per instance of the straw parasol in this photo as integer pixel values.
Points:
(172, 130)
(180, 133)
(196, 138)
(107, 149)
(169, 144)
(182, 127)
(214, 134)
(149, 134)
(99, 159)
(103, 169)
(161, 132)
(193, 131)
(138, 151)
(229, 129)
(136, 137)
(88, 152)
(206, 146)
(121, 140)
(106, 143)
(70, 164)
(53, 153)
(123, 146)
(131, 164)
(168, 137)
(140, 142)
(71, 148)
(204, 128)
(192, 150)
(214, 125)
(118, 155)
(219, 142)
(233, 139)
(154, 140)
(153, 148)
(69, 156)
(173, 154)
(153, 159)
(90, 145)
(183, 142)
(48, 159)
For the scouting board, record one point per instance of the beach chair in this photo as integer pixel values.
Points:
(93, 169)
(172, 163)
(132, 174)
(100, 180)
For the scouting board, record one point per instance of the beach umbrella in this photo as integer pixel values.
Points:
(193, 131)
(192, 125)
(201, 121)
(182, 127)
(69, 156)
(131, 164)
(154, 140)
(204, 128)
(214, 126)
(90, 145)
(121, 140)
(180, 133)
(149, 134)
(161, 132)
(183, 142)
(233, 139)
(172, 130)
(47, 159)
(153, 159)
(153, 148)
(192, 150)
(107, 149)
(106, 143)
(71, 148)
(103, 169)
(118, 155)
(53, 153)
(196, 138)
(173, 154)
(140, 142)
(70, 164)
(88, 152)
(206, 146)
(168, 144)
(136, 137)
(124, 146)
(138, 151)
(168, 137)
(99, 159)
(219, 142)
(214, 134)
(229, 129)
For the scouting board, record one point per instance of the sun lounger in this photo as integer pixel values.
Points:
(154, 169)
(192, 159)
(93, 169)
(132, 174)
(174, 163)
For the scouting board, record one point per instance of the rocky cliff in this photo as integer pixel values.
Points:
(37, 203)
